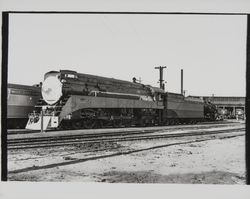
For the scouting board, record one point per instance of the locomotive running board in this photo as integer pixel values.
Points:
(37, 126)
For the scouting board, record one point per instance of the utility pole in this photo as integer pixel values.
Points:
(162, 86)
(182, 91)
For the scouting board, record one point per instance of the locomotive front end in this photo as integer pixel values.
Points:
(51, 92)
(52, 88)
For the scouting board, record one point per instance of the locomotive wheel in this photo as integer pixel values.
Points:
(128, 123)
(176, 121)
(77, 124)
(149, 123)
(153, 123)
(66, 125)
(98, 124)
(142, 123)
(117, 123)
(89, 124)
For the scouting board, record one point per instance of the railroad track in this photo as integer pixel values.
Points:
(99, 132)
(219, 123)
(57, 141)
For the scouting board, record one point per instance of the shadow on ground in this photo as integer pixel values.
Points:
(212, 177)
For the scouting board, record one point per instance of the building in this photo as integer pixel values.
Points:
(233, 105)
(229, 104)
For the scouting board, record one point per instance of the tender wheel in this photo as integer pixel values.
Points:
(171, 122)
(167, 122)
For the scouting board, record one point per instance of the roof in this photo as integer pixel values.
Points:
(24, 87)
(225, 100)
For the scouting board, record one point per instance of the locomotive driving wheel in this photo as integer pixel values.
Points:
(99, 124)
(89, 123)
(127, 123)
(117, 123)
(77, 124)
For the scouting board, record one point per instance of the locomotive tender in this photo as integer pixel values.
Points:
(75, 100)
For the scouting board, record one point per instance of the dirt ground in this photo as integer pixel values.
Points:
(219, 161)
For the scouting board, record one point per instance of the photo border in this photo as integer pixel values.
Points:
(5, 47)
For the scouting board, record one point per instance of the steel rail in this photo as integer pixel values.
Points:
(57, 143)
(89, 135)
(24, 131)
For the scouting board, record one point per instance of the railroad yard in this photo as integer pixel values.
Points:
(207, 153)
(124, 98)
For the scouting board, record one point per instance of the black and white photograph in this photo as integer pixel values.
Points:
(126, 98)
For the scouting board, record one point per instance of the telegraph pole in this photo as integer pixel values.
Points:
(161, 76)
(182, 91)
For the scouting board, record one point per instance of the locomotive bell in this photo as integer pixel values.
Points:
(52, 89)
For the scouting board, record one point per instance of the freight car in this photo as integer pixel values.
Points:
(21, 101)
(74, 100)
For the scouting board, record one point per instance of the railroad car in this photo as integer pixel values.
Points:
(21, 101)
(74, 100)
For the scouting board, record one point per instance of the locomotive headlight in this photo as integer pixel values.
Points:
(51, 89)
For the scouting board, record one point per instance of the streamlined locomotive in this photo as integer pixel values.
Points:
(75, 100)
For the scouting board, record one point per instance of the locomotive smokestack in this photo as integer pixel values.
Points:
(182, 82)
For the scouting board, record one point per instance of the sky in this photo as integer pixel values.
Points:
(211, 49)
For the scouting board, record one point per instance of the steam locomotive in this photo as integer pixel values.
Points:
(75, 100)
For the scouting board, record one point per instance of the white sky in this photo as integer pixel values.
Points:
(210, 49)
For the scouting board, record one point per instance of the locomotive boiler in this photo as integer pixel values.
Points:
(75, 100)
